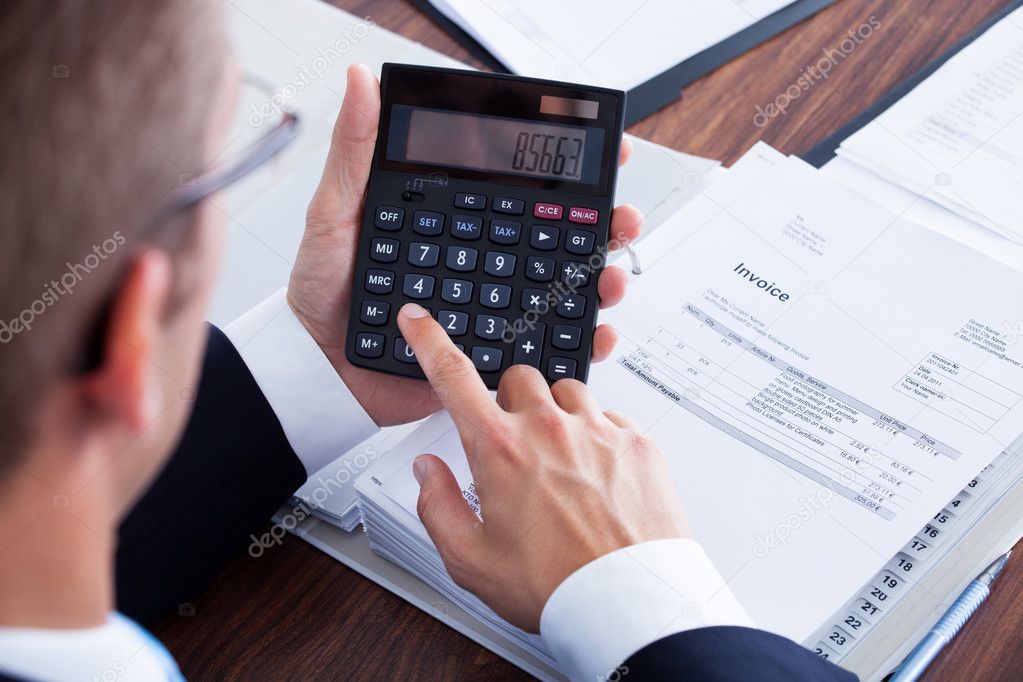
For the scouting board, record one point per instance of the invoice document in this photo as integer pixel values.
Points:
(822, 375)
(957, 138)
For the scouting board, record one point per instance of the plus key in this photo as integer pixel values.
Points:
(528, 344)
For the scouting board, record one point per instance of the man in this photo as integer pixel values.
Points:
(110, 264)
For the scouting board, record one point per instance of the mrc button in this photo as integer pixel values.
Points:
(548, 211)
(586, 216)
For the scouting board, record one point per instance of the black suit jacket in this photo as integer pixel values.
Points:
(234, 468)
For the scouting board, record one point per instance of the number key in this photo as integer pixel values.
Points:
(423, 255)
(456, 290)
(490, 327)
(499, 264)
(455, 323)
(495, 295)
(461, 258)
(418, 286)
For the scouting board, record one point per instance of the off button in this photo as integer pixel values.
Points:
(389, 218)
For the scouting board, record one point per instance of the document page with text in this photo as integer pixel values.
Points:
(822, 376)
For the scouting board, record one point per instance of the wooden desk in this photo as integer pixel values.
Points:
(297, 614)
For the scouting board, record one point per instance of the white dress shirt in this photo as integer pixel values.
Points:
(599, 616)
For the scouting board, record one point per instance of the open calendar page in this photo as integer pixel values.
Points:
(822, 376)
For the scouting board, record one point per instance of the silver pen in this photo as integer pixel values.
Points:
(914, 665)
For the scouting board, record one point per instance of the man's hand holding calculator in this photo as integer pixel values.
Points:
(320, 291)
(557, 443)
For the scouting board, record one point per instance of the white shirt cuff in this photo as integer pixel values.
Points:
(615, 605)
(321, 418)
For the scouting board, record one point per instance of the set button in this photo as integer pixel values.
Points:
(427, 223)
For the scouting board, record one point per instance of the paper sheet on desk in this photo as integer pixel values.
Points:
(615, 45)
(810, 437)
(958, 136)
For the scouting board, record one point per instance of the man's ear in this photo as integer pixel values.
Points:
(125, 384)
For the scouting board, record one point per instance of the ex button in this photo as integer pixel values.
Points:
(508, 206)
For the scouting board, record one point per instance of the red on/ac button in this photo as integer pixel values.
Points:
(548, 211)
(586, 216)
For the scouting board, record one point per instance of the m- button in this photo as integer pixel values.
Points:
(548, 211)
(585, 216)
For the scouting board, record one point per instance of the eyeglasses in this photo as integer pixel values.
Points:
(203, 186)
(220, 177)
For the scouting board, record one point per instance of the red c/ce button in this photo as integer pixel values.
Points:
(548, 211)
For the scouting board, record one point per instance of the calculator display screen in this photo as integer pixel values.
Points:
(493, 143)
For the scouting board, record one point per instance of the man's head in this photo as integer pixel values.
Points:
(108, 107)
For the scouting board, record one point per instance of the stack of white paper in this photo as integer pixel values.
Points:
(819, 382)
(957, 138)
(615, 45)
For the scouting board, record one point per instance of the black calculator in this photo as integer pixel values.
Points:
(489, 204)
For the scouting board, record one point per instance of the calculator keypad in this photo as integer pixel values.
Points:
(509, 279)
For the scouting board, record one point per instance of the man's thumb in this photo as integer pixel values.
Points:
(448, 518)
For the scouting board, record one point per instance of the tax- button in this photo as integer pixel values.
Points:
(389, 218)
(585, 216)
(544, 237)
(548, 211)
(474, 202)
(466, 226)
(579, 241)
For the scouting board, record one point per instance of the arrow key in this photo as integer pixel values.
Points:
(544, 237)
